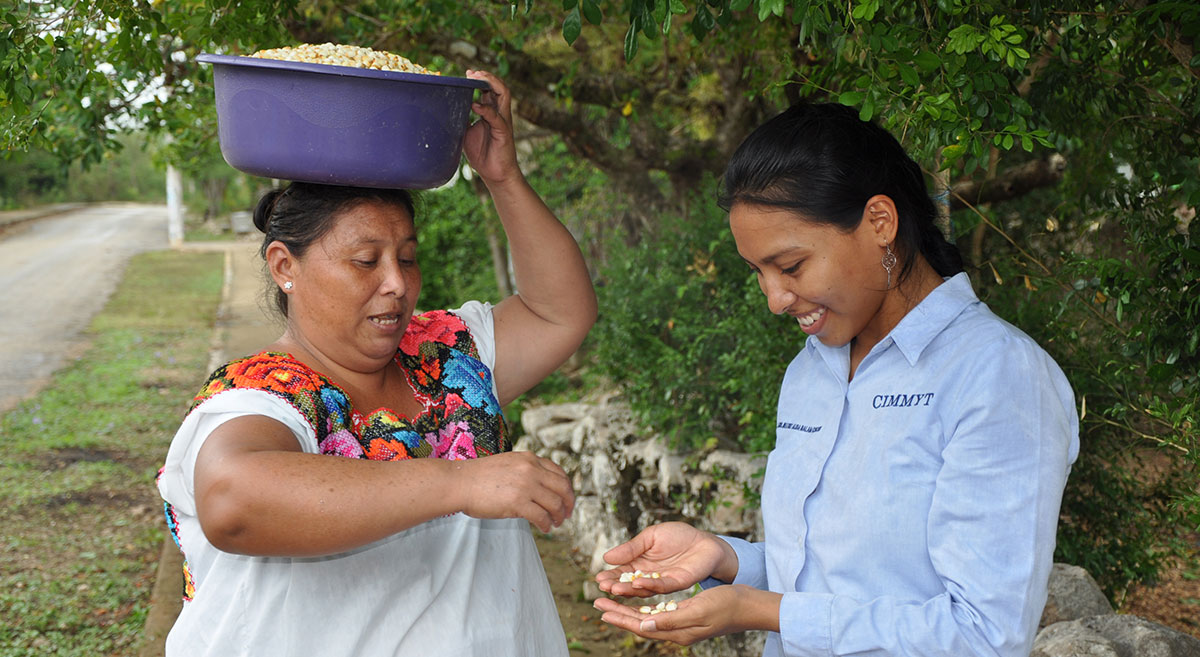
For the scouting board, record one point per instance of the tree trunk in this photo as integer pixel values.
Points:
(174, 207)
(496, 244)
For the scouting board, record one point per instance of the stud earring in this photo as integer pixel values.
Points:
(287, 285)
(889, 261)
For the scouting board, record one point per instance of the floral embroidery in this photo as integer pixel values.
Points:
(453, 441)
(189, 582)
(461, 417)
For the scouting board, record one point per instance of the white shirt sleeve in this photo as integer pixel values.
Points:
(477, 315)
(176, 483)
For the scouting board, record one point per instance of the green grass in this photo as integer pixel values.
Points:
(82, 521)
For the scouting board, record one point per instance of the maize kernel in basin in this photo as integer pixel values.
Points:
(343, 55)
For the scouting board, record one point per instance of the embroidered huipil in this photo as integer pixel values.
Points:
(913, 510)
(451, 586)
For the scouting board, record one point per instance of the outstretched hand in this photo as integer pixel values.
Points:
(681, 555)
(489, 144)
(718, 611)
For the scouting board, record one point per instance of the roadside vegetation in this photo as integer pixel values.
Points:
(82, 523)
(1062, 138)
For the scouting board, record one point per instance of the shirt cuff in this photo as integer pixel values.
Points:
(804, 624)
(752, 566)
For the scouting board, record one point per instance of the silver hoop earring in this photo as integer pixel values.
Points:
(287, 285)
(889, 261)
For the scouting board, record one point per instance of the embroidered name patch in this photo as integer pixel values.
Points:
(902, 400)
(797, 427)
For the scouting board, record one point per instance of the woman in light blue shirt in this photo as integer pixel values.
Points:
(922, 445)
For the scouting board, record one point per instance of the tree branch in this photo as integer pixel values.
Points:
(1010, 184)
(1179, 46)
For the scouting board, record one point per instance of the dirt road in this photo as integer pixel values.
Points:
(55, 274)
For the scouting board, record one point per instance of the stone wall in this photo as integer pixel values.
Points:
(626, 479)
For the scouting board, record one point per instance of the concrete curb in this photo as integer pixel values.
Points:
(13, 217)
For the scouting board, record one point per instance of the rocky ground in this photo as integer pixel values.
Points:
(1174, 600)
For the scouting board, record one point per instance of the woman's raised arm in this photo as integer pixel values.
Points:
(538, 328)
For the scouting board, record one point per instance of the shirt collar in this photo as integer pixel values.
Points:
(917, 328)
(935, 312)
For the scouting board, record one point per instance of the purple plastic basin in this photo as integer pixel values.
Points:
(340, 125)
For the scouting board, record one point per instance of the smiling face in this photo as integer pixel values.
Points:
(355, 289)
(831, 281)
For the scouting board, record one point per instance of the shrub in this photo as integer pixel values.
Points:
(685, 332)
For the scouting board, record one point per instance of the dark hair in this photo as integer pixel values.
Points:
(823, 162)
(303, 213)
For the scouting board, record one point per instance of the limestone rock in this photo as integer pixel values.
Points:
(1121, 635)
(1071, 639)
(625, 480)
(1072, 594)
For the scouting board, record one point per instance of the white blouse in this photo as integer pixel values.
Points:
(451, 586)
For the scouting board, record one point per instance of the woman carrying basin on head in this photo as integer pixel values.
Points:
(349, 490)
(911, 501)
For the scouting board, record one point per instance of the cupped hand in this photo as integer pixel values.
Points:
(681, 555)
(515, 485)
(489, 144)
(715, 612)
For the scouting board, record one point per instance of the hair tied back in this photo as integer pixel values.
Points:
(265, 209)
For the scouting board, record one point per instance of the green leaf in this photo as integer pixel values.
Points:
(952, 152)
(743, 5)
(572, 25)
(1027, 143)
(927, 60)
(568, 5)
(659, 13)
(909, 75)
(677, 7)
(1159, 371)
(631, 43)
(851, 98)
(768, 7)
(725, 18)
(867, 110)
(591, 11)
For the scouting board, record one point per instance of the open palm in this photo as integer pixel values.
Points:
(680, 554)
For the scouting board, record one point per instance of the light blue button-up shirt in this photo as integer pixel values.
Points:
(913, 510)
